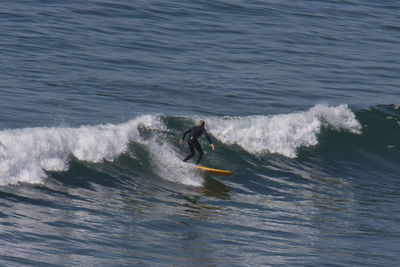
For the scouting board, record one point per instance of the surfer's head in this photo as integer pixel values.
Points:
(201, 123)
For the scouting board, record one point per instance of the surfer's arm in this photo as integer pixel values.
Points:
(184, 134)
(207, 136)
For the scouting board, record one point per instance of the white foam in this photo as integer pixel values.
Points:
(169, 165)
(26, 153)
(282, 134)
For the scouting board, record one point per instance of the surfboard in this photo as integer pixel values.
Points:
(213, 171)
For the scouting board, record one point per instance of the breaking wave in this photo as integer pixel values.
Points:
(285, 133)
(26, 154)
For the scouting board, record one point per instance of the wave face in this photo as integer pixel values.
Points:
(27, 154)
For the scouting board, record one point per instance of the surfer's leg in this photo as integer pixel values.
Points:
(191, 149)
(200, 150)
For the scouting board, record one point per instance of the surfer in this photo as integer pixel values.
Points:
(194, 133)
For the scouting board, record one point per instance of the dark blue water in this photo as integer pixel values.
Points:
(301, 99)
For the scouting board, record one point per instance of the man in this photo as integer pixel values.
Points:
(194, 133)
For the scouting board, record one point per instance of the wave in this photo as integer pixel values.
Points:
(27, 155)
(283, 134)
(381, 126)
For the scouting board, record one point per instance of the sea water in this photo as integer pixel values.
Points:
(300, 98)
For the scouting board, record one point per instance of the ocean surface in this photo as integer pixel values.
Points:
(301, 99)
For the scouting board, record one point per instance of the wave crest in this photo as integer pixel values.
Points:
(26, 153)
(283, 133)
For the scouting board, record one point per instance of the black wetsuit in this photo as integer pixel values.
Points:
(194, 133)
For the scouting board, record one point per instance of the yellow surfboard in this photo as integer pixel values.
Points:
(214, 171)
